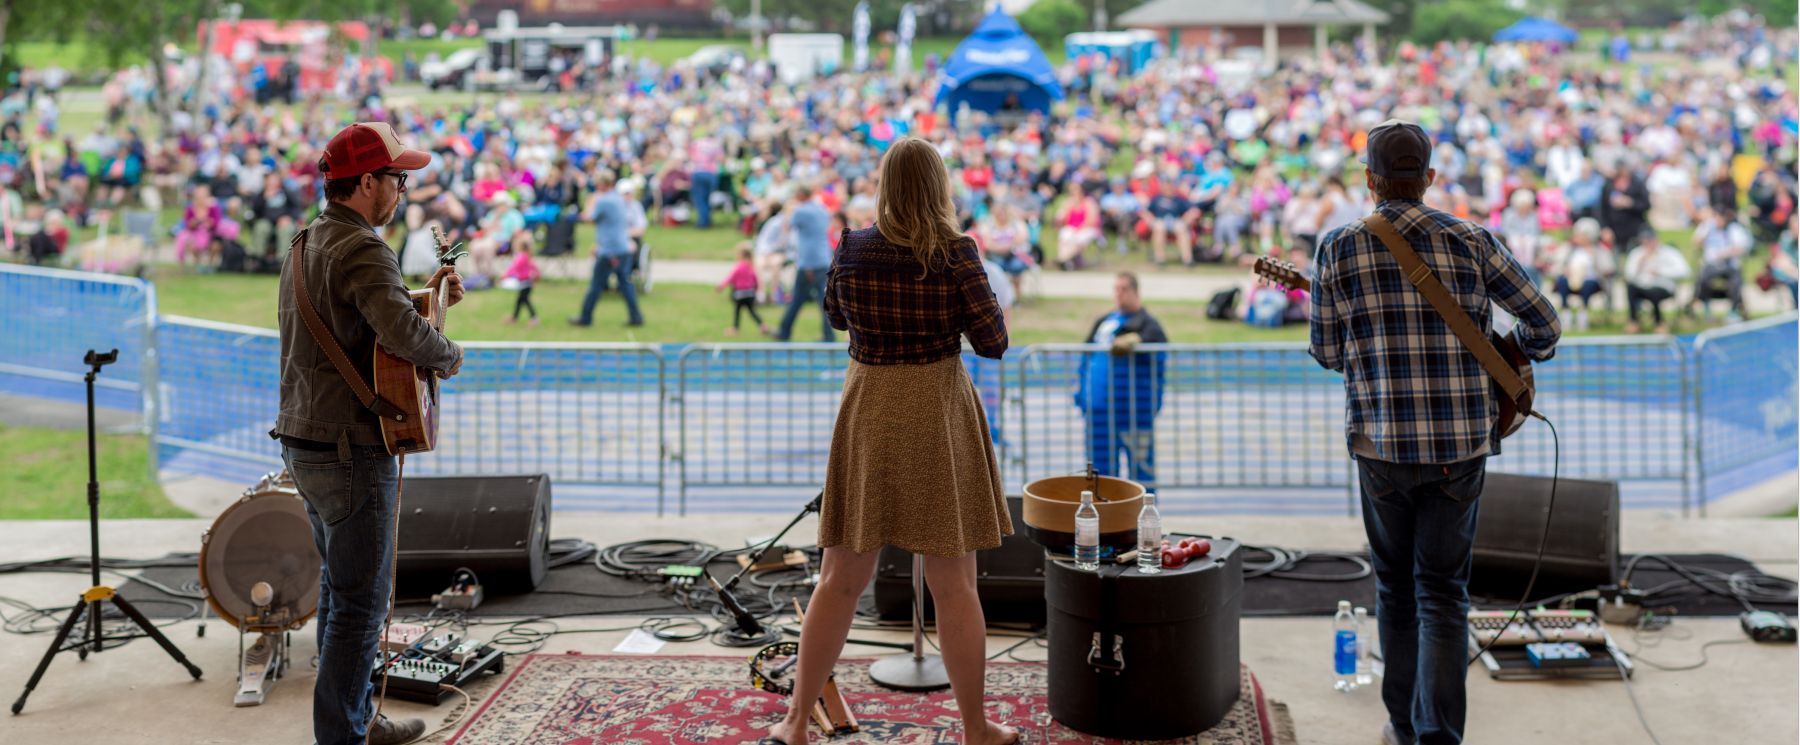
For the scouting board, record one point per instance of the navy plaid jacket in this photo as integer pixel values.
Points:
(1411, 388)
(898, 314)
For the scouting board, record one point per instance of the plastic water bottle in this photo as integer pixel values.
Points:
(1365, 674)
(1343, 657)
(1150, 533)
(1087, 533)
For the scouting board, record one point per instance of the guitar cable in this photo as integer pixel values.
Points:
(393, 577)
(1543, 539)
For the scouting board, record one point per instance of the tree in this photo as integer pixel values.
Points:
(145, 27)
(1049, 20)
(1450, 20)
(33, 19)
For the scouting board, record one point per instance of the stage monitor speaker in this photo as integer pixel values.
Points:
(495, 526)
(1581, 550)
(1010, 578)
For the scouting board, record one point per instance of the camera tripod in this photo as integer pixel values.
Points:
(91, 639)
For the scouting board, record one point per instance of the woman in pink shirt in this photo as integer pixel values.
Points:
(742, 282)
(1080, 229)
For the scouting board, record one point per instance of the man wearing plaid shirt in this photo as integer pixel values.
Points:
(1419, 419)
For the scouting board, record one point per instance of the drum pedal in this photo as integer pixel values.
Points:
(259, 668)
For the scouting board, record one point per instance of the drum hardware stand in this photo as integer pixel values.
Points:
(90, 601)
(266, 661)
(915, 672)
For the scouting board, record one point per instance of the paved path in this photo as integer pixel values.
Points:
(1170, 284)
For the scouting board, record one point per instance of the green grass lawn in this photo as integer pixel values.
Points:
(46, 473)
(675, 313)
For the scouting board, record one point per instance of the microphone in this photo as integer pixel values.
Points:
(746, 623)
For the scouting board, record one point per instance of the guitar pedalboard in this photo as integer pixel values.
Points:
(421, 671)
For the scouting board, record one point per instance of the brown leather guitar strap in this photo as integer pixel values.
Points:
(1421, 277)
(322, 336)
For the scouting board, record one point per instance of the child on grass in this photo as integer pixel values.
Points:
(742, 282)
(520, 276)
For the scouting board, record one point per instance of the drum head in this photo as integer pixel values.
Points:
(263, 537)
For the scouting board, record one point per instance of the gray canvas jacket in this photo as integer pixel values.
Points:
(355, 283)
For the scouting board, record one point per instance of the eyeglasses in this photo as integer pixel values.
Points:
(399, 178)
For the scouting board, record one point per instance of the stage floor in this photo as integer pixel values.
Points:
(135, 694)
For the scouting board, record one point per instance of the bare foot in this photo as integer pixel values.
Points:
(792, 733)
(996, 734)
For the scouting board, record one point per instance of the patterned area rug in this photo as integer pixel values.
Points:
(621, 700)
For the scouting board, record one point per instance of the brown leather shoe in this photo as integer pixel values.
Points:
(385, 731)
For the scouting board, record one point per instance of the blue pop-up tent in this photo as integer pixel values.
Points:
(1534, 29)
(997, 63)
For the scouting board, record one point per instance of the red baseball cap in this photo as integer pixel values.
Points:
(367, 147)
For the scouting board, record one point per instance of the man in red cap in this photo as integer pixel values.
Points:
(341, 294)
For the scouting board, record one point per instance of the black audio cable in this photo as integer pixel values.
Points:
(1543, 539)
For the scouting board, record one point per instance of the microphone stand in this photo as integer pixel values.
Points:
(747, 624)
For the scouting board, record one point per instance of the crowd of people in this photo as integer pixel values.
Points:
(1575, 165)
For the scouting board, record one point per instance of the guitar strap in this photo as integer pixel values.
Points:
(1421, 277)
(322, 336)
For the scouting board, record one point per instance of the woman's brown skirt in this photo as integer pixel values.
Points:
(912, 465)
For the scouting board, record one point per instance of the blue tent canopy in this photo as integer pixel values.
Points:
(997, 63)
(1537, 29)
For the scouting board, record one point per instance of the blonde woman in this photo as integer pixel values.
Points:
(911, 462)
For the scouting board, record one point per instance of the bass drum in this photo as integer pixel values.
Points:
(264, 537)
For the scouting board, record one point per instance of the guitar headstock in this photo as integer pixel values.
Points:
(1281, 272)
(446, 253)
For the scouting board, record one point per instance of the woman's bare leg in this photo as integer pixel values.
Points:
(962, 632)
(843, 575)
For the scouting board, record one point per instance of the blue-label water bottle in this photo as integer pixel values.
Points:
(1343, 658)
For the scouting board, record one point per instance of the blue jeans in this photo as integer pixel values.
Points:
(1420, 520)
(705, 183)
(1114, 440)
(808, 283)
(351, 506)
(606, 269)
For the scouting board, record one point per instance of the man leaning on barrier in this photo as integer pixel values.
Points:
(1121, 390)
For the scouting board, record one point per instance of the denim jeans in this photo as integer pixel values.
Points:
(705, 182)
(351, 506)
(1420, 520)
(808, 285)
(1115, 439)
(606, 269)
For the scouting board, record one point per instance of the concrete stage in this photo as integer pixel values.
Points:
(136, 694)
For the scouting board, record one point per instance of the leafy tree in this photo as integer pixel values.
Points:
(1460, 19)
(1049, 20)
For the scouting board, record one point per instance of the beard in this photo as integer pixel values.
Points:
(384, 213)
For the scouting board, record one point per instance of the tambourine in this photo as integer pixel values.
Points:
(771, 668)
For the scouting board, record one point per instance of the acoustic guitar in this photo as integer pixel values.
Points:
(1513, 412)
(414, 389)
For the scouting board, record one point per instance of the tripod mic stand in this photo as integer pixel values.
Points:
(92, 640)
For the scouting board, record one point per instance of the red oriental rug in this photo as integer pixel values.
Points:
(634, 700)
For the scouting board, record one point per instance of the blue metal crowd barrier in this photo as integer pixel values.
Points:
(1244, 428)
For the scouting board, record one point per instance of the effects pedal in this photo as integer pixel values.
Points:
(458, 597)
(780, 558)
(421, 673)
(1561, 654)
(1767, 626)
(1534, 626)
(681, 576)
(402, 636)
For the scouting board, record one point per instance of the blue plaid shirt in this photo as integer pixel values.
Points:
(1413, 394)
